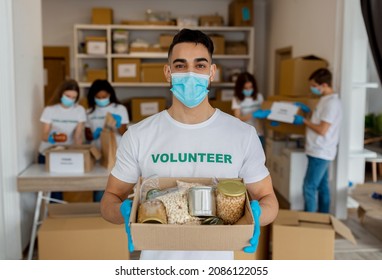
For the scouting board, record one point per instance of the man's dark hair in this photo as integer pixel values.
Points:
(192, 36)
(321, 76)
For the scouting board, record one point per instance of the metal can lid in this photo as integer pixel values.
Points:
(231, 188)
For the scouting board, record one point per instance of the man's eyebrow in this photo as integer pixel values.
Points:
(181, 60)
(201, 59)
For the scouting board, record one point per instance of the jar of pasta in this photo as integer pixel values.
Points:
(152, 211)
(230, 201)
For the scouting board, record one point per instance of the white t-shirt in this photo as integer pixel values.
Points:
(329, 110)
(248, 106)
(63, 120)
(96, 119)
(222, 146)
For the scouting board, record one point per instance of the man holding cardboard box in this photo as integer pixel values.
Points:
(322, 136)
(159, 145)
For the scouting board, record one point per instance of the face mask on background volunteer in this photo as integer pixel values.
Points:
(315, 90)
(66, 101)
(247, 92)
(190, 88)
(102, 102)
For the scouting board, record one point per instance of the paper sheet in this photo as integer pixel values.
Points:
(283, 112)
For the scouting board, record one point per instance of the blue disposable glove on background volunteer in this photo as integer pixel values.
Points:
(51, 138)
(125, 210)
(303, 107)
(97, 133)
(261, 114)
(254, 241)
(118, 120)
(298, 120)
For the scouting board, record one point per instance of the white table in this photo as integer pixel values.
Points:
(36, 179)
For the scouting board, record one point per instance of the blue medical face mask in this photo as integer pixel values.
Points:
(247, 92)
(315, 90)
(102, 102)
(190, 88)
(66, 101)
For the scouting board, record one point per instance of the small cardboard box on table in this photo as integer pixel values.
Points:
(71, 159)
(306, 236)
(190, 237)
(76, 231)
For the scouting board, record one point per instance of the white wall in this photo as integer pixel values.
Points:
(306, 25)
(22, 95)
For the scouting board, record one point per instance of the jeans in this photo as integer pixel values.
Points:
(317, 181)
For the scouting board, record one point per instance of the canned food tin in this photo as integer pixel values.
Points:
(152, 211)
(230, 201)
(201, 201)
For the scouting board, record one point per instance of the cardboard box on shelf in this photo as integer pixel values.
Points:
(142, 108)
(295, 72)
(102, 16)
(233, 47)
(219, 43)
(152, 73)
(126, 70)
(146, 22)
(225, 94)
(225, 106)
(240, 13)
(306, 236)
(71, 159)
(165, 40)
(95, 74)
(95, 45)
(190, 237)
(288, 128)
(211, 20)
(76, 231)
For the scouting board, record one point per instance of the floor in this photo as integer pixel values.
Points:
(367, 234)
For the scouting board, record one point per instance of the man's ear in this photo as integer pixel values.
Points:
(212, 72)
(167, 72)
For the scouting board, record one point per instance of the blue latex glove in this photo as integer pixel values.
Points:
(51, 138)
(125, 210)
(97, 133)
(299, 120)
(254, 241)
(275, 123)
(261, 114)
(118, 119)
(303, 107)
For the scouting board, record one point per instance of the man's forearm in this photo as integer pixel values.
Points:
(110, 208)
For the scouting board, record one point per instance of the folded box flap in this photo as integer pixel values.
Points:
(287, 217)
(95, 153)
(342, 230)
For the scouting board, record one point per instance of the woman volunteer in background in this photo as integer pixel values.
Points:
(63, 120)
(247, 100)
(102, 100)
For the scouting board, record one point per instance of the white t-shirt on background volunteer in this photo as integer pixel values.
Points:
(63, 120)
(248, 106)
(96, 119)
(222, 146)
(329, 110)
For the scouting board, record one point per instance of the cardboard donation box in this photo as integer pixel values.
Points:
(165, 41)
(142, 108)
(295, 73)
(102, 16)
(368, 206)
(306, 236)
(95, 45)
(192, 237)
(76, 231)
(126, 70)
(219, 43)
(211, 20)
(289, 128)
(95, 74)
(152, 73)
(240, 13)
(71, 159)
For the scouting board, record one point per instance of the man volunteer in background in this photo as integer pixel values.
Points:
(190, 126)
